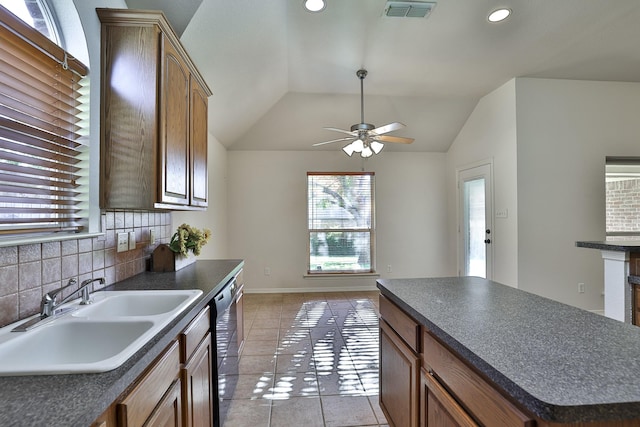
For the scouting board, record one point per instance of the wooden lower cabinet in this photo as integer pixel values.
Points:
(198, 386)
(399, 379)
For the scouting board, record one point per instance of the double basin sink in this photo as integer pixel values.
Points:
(92, 338)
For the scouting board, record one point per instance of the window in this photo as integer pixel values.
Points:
(36, 14)
(43, 139)
(341, 222)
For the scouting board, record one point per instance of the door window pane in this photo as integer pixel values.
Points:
(474, 197)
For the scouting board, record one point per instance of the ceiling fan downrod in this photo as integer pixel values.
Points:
(361, 73)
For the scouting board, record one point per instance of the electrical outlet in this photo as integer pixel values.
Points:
(132, 240)
(152, 236)
(123, 242)
(267, 271)
(581, 288)
(389, 269)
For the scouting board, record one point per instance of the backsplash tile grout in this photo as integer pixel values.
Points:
(29, 271)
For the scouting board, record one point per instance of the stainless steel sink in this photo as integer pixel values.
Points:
(94, 338)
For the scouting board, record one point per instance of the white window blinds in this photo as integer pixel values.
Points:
(42, 141)
(340, 222)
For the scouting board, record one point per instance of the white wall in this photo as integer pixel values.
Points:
(215, 217)
(565, 130)
(490, 134)
(267, 216)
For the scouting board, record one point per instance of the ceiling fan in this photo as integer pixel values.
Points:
(365, 138)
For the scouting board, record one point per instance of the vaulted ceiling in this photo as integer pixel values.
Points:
(279, 74)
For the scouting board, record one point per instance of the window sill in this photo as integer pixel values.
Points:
(338, 275)
(19, 241)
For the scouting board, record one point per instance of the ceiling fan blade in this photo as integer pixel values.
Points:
(398, 139)
(348, 132)
(333, 140)
(388, 128)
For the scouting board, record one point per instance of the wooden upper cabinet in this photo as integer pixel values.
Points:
(153, 116)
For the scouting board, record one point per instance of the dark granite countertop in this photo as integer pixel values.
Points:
(612, 245)
(77, 400)
(562, 363)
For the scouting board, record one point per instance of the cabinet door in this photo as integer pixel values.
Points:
(199, 393)
(174, 131)
(438, 408)
(129, 116)
(168, 413)
(199, 117)
(399, 379)
(151, 390)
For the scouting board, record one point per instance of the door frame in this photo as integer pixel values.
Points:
(489, 210)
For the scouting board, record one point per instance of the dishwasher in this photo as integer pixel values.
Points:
(225, 371)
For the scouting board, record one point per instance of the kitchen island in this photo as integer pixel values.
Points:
(546, 362)
(78, 400)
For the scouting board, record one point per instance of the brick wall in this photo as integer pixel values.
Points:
(27, 272)
(623, 205)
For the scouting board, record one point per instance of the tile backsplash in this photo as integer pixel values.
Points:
(29, 271)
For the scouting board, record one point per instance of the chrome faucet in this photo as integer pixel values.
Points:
(50, 302)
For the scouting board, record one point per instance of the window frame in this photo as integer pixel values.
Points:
(371, 230)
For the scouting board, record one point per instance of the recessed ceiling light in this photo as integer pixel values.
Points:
(499, 15)
(314, 5)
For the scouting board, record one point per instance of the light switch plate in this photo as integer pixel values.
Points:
(123, 242)
(132, 240)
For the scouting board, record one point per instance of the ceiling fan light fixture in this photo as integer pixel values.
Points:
(357, 145)
(366, 152)
(376, 146)
(348, 149)
(314, 5)
(499, 15)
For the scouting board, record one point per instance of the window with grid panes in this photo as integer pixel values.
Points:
(43, 120)
(340, 213)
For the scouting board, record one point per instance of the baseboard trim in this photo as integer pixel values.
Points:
(310, 290)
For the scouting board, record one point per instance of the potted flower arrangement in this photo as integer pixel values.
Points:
(188, 238)
(185, 244)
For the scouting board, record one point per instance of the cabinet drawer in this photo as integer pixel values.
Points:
(141, 402)
(193, 334)
(404, 325)
(478, 397)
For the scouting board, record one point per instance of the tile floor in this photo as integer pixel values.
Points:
(308, 360)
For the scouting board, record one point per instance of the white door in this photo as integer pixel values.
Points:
(475, 215)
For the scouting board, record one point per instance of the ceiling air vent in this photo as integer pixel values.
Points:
(408, 9)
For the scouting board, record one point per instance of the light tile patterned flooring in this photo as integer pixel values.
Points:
(309, 360)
